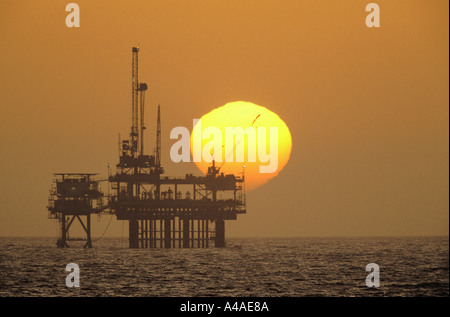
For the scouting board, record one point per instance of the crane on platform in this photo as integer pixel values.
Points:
(232, 151)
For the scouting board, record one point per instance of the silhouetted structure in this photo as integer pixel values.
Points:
(73, 196)
(163, 211)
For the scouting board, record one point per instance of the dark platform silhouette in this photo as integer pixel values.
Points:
(164, 212)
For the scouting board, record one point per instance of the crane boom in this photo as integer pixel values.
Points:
(237, 143)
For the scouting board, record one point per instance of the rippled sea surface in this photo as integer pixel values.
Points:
(246, 267)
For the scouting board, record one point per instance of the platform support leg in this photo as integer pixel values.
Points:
(133, 233)
(220, 234)
(88, 232)
(167, 233)
(61, 243)
(185, 233)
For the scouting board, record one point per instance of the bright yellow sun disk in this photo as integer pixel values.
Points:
(243, 114)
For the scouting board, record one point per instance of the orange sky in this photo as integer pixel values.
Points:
(367, 108)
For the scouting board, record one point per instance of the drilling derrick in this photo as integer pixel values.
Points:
(158, 139)
(134, 133)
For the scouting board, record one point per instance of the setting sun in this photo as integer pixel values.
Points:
(257, 158)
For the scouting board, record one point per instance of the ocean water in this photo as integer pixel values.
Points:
(260, 267)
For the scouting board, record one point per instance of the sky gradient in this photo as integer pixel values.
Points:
(367, 108)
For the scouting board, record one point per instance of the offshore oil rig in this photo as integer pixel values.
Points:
(162, 211)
